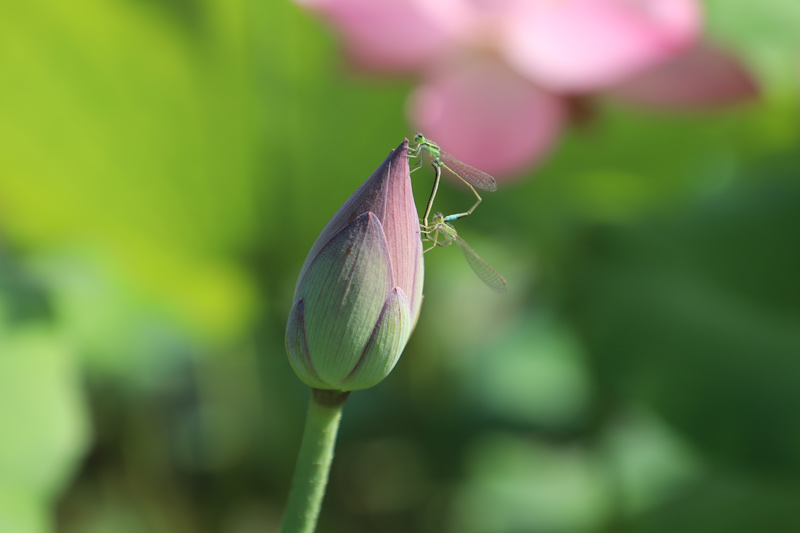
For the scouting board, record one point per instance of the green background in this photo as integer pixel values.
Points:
(164, 169)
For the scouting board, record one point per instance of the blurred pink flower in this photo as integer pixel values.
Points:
(487, 115)
(704, 77)
(496, 76)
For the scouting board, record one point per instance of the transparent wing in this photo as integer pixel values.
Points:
(485, 272)
(473, 176)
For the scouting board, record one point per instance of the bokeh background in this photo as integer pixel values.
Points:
(166, 165)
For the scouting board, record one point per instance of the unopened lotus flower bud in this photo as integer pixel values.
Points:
(359, 291)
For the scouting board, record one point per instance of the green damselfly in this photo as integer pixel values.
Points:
(440, 159)
(442, 233)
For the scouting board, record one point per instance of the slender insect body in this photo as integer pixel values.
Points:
(441, 232)
(484, 271)
(470, 176)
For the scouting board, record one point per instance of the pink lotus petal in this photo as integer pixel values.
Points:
(472, 23)
(585, 45)
(703, 77)
(489, 117)
(383, 35)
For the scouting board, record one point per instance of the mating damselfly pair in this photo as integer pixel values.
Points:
(440, 231)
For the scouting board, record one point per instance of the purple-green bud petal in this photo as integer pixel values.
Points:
(360, 288)
(386, 344)
(297, 346)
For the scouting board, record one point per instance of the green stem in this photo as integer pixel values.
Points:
(314, 461)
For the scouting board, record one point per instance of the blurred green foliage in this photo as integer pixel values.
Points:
(165, 167)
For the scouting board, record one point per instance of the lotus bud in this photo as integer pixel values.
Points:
(359, 291)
